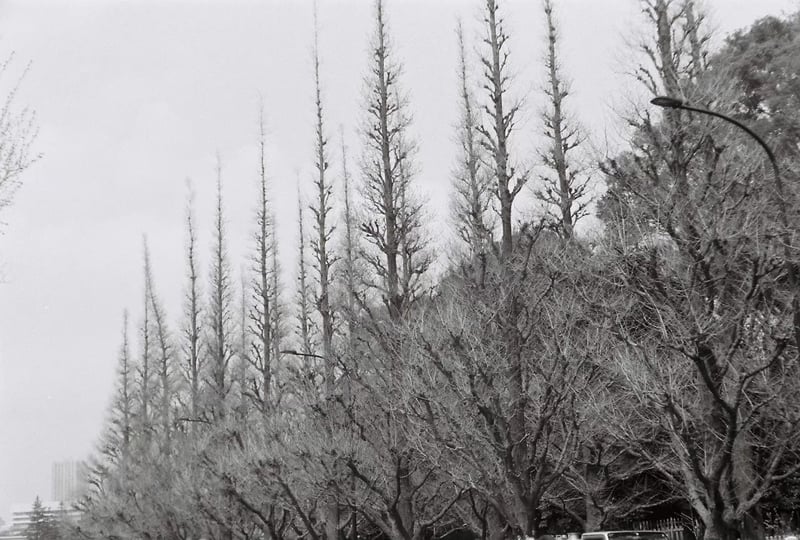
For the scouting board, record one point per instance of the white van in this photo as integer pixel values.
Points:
(625, 535)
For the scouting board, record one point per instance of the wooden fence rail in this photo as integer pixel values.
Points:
(677, 528)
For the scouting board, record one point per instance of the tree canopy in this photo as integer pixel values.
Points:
(543, 381)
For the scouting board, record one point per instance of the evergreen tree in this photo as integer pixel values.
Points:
(42, 526)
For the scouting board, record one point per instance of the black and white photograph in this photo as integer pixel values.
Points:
(399, 269)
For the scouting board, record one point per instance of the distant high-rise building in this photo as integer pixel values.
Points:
(70, 480)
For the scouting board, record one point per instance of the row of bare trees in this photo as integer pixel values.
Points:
(543, 382)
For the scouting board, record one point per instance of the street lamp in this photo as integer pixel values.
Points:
(668, 102)
(298, 353)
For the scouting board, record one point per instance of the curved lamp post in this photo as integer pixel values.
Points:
(668, 102)
(675, 103)
(302, 354)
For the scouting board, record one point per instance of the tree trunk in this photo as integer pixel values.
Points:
(752, 525)
(532, 526)
(498, 527)
(716, 528)
(594, 517)
(501, 123)
(332, 519)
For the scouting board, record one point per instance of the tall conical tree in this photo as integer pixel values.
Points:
(165, 391)
(321, 208)
(278, 316)
(323, 262)
(396, 262)
(500, 121)
(118, 446)
(242, 371)
(471, 201)
(220, 338)
(42, 525)
(349, 307)
(565, 187)
(304, 323)
(107, 504)
(145, 369)
(393, 228)
(263, 289)
(193, 315)
(350, 247)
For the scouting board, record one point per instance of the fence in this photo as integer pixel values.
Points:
(676, 528)
(683, 528)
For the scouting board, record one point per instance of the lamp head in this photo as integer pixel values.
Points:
(667, 102)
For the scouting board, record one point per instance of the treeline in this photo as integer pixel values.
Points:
(45, 524)
(545, 381)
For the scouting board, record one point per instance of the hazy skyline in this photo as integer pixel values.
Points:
(135, 97)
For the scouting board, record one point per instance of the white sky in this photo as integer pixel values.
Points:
(133, 97)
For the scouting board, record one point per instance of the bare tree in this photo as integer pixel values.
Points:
(565, 186)
(350, 248)
(513, 314)
(193, 315)
(496, 396)
(472, 197)
(500, 121)
(165, 361)
(321, 209)
(706, 324)
(392, 226)
(323, 262)
(304, 322)
(607, 482)
(349, 281)
(125, 394)
(18, 130)
(263, 289)
(110, 470)
(145, 367)
(278, 317)
(393, 488)
(220, 344)
(242, 371)
(116, 447)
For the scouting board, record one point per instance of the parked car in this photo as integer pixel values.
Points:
(624, 535)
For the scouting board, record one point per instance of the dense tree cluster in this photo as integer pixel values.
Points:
(45, 524)
(544, 381)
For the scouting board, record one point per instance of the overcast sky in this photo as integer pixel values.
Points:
(135, 97)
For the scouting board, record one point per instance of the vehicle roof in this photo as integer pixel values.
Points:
(626, 531)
